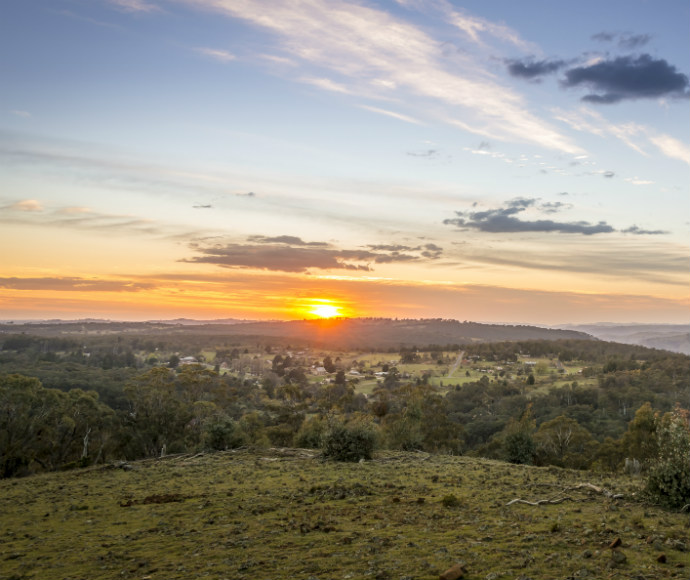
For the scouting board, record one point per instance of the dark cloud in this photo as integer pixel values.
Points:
(292, 254)
(531, 69)
(200, 206)
(609, 174)
(504, 220)
(427, 153)
(632, 41)
(276, 257)
(554, 206)
(640, 232)
(289, 240)
(73, 285)
(628, 78)
(604, 36)
(626, 40)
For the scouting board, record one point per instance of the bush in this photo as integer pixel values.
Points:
(668, 482)
(520, 448)
(310, 434)
(223, 433)
(349, 442)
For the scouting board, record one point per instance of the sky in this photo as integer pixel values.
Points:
(515, 162)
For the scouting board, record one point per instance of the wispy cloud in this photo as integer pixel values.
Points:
(26, 205)
(392, 114)
(634, 135)
(135, 5)
(671, 147)
(625, 40)
(373, 53)
(73, 284)
(21, 113)
(216, 54)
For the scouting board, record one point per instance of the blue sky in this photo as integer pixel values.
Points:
(522, 162)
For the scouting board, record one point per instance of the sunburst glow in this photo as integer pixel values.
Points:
(325, 311)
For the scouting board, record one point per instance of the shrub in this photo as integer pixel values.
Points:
(668, 481)
(349, 442)
(450, 501)
(223, 433)
(310, 434)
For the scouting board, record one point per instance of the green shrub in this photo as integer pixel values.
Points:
(450, 501)
(223, 433)
(349, 442)
(310, 434)
(520, 448)
(668, 480)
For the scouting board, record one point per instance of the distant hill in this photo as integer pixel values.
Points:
(390, 333)
(335, 333)
(672, 337)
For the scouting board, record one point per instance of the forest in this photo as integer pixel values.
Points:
(88, 396)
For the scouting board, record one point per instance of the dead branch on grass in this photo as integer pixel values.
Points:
(589, 486)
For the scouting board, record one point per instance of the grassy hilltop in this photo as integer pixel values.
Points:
(285, 513)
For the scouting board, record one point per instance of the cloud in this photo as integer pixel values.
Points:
(671, 147)
(292, 254)
(392, 114)
(530, 69)
(289, 240)
(632, 134)
(503, 220)
(27, 205)
(217, 54)
(554, 206)
(626, 40)
(633, 41)
(609, 174)
(428, 153)
(356, 49)
(20, 113)
(73, 284)
(135, 5)
(628, 78)
(623, 259)
(637, 181)
(641, 232)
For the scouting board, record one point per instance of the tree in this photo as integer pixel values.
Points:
(564, 442)
(518, 442)
(328, 365)
(156, 417)
(349, 442)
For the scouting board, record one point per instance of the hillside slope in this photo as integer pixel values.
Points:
(284, 513)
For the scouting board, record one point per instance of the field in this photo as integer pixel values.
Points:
(286, 513)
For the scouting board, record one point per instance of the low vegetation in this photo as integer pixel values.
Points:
(287, 513)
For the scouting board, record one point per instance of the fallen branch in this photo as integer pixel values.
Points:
(540, 501)
(589, 486)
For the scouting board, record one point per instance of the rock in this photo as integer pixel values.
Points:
(661, 558)
(453, 573)
(617, 542)
(618, 558)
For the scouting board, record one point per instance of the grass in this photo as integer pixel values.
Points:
(287, 514)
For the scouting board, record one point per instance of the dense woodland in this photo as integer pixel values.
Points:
(74, 398)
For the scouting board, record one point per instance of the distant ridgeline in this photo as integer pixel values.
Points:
(334, 332)
(386, 333)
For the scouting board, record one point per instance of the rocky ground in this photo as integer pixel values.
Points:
(285, 513)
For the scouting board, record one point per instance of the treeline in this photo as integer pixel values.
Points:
(625, 406)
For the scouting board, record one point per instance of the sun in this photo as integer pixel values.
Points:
(325, 311)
